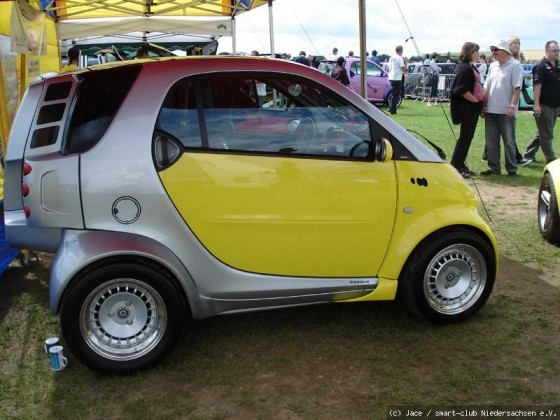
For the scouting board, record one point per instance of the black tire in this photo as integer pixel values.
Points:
(122, 316)
(388, 103)
(548, 217)
(449, 276)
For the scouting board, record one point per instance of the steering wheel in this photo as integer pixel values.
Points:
(357, 145)
(304, 134)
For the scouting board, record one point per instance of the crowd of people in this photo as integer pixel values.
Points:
(481, 90)
(490, 91)
(484, 90)
(494, 96)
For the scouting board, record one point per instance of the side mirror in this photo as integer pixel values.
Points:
(383, 150)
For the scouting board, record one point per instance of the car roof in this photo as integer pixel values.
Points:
(203, 63)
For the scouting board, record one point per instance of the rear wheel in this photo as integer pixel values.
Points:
(121, 317)
(549, 219)
(449, 277)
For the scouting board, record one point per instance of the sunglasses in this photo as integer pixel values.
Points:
(493, 49)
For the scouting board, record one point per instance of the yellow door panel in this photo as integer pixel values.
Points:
(287, 216)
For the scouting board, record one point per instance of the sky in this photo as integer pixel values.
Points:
(316, 26)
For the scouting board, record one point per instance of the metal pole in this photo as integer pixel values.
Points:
(362, 8)
(233, 33)
(4, 123)
(271, 28)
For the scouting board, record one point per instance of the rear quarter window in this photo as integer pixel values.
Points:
(98, 98)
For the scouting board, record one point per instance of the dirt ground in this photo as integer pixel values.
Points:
(328, 361)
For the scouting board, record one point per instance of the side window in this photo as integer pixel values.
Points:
(265, 115)
(179, 114)
(372, 69)
(299, 118)
(96, 105)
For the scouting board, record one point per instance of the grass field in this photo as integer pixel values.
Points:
(335, 361)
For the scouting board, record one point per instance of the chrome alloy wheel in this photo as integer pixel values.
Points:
(544, 209)
(123, 319)
(454, 279)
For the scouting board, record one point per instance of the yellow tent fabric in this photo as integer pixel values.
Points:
(82, 9)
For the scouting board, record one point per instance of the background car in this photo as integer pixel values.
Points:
(548, 204)
(526, 99)
(379, 89)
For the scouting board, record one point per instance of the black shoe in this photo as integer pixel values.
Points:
(512, 173)
(526, 161)
(467, 170)
(488, 172)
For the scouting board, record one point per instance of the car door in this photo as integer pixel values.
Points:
(375, 82)
(299, 196)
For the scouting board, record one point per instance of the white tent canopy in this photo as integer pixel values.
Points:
(87, 18)
(80, 28)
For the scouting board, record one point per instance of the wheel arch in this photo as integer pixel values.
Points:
(484, 234)
(83, 251)
(448, 229)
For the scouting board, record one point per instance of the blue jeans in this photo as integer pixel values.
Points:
(500, 125)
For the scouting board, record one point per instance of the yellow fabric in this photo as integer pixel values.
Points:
(27, 68)
(5, 13)
(69, 67)
(82, 9)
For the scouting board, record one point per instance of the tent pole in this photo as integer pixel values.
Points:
(233, 36)
(22, 63)
(362, 16)
(271, 28)
(4, 124)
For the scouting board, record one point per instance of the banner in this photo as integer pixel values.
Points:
(28, 26)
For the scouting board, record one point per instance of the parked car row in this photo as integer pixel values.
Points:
(416, 80)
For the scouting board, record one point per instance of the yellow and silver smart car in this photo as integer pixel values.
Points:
(171, 189)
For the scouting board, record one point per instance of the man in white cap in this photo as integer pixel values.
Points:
(501, 97)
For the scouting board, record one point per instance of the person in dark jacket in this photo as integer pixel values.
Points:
(467, 100)
(339, 72)
(302, 59)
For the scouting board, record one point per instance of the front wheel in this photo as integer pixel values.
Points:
(449, 277)
(549, 219)
(122, 316)
(389, 97)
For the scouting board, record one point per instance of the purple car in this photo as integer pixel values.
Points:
(378, 86)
